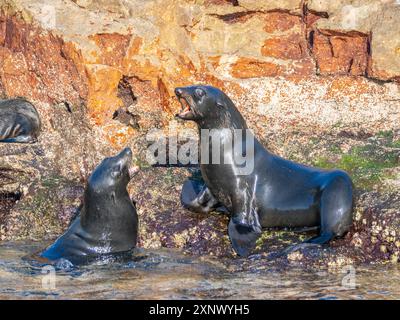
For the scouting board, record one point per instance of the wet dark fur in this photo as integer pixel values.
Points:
(107, 223)
(277, 193)
(19, 121)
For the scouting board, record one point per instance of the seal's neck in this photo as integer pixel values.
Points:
(223, 120)
(100, 207)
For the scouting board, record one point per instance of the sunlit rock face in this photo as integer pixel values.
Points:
(317, 81)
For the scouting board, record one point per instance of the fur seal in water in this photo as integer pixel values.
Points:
(107, 223)
(19, 121)
(277, 193)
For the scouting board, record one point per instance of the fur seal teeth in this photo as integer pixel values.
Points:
(185, 105)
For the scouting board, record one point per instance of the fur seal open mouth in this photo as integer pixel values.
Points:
(187, 109)
(185, 105)
(126, 161)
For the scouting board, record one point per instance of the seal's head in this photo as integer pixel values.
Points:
(106, 192)
(112, 174)
(208, 106)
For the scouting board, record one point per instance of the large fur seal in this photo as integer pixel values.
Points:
(277, 193)
(107, 223)
(19, 121)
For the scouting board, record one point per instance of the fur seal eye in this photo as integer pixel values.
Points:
(200, 92)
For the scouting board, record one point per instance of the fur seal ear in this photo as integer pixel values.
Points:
(220, 104)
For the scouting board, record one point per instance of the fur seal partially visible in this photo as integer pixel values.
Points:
(276, 193)
(107, 223)
(19, 121)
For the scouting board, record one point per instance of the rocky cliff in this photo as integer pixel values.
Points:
(317, 81)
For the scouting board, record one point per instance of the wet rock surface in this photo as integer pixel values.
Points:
(316, 86)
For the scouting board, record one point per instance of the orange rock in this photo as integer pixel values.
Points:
(281, 21)
(210, 79)
(103, 92)
(36, 67)
(337, 53)
(142, 68)
(300, 69)
(287, 47)
(2, 30)
(134, 46)
(117, 134)
(310, 17)
(113, 47)
(185, 70)
(146, 93)
(251, 68)
(214, 60)
(73, 55)
(14, 64)
(351, 87)
(164, 95)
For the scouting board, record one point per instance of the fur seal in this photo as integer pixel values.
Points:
(19, 121)
(277, 193)
(107, 223)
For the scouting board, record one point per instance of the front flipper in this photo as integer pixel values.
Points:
(244, 230)
(20, 139)
(197, 197)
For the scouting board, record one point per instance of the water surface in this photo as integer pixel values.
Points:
(168, 274)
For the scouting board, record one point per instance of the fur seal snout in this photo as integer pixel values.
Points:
(107, 223)
(275, 193)
(19, 121)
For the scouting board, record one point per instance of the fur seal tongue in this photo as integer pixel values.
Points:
(185, 107)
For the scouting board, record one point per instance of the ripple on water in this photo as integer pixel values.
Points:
(168, 274)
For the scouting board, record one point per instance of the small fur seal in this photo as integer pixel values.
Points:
(19, 121)
(276, 193)
(107, 223)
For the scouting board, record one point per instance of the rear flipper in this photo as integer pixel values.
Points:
(244, 231)
(336, 206)
(317, 241)
(197, 197)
